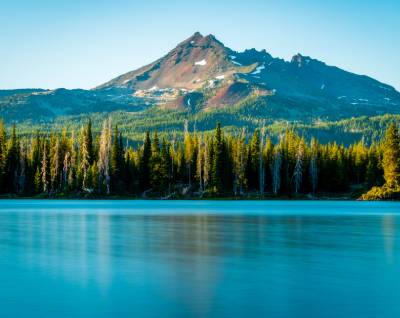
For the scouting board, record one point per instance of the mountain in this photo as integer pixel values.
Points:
(300, 88)
(203, 78)
(189, 66)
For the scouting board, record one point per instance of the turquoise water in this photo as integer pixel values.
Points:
(199, 259)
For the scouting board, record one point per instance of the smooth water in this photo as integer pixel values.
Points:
(199, 259)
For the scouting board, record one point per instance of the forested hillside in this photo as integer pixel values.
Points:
(249, 117)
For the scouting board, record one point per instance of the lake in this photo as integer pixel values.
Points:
(199, 259)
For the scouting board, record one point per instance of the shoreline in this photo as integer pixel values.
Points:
(222, 198)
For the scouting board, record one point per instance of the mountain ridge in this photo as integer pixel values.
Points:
(200, 61)
(201, 74)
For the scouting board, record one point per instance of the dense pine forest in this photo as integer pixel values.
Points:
(196, 165)
(171, 122)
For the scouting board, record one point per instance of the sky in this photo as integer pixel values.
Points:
(83, 43)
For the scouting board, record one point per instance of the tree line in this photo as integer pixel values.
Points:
(199, 165)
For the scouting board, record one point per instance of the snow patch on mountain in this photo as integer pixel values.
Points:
(201, 63)
(154, 88)
(258, 69)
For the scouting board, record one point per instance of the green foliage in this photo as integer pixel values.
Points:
(3, 153)
(391, 157)
(218, 161)
(391, 168)
(202, 164)
(117, 163)
(381, 193)
(248, 114)
(144, 165)
(11, 163)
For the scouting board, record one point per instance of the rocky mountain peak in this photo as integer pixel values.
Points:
(298, 59)
(190, 65)
(204, 66)
(198, 40)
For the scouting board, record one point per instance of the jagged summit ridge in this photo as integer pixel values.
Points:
(202, 74)
(204, 64)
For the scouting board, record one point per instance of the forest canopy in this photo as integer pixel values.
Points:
(196, 165)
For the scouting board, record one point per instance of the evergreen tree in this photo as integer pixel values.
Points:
(268, 161)
(144, 164)
(313, 165)
(88, 140)
(131, 171)
(155, 163)
(23, 172)
(298, 169)
(117, 163)
(165, 170)
(3, 154)
(236, 167)
(38, 181)
(36, 151)
(217, 171)
(72, 164)
(12, 163)
(276, 167)
(66, 170)
(84, 158)
(207, 165)
(391, 157)
(45, 168)
(55, 164)
(254, 162)
(104, 157)
(200, 166)
(360, 161)
(374, 173)
(94, 174)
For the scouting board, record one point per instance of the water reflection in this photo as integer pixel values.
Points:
(388, 233)
(107, 263)
(189, 238)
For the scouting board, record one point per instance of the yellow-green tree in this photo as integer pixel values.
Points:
(391, 157)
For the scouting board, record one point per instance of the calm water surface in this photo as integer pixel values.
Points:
(199, 259)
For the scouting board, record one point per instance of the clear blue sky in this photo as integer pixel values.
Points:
(83, 43)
